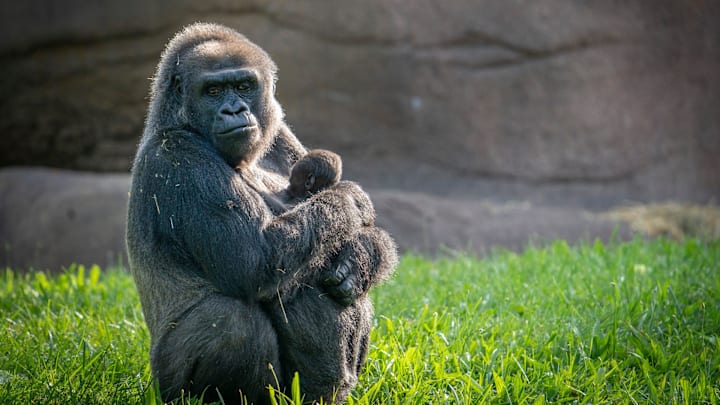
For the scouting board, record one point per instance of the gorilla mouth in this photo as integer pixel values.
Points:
(239, 130)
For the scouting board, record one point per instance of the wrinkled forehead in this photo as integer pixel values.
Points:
(217, 55)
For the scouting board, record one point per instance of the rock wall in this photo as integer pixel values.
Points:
(542, 91)
(51, 218)
(473, 122)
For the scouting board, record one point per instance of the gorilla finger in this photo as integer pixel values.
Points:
(346, 302)
(344, 293)
(346, 288)
(337, 276)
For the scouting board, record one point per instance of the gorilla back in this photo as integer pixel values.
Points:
(236, 298)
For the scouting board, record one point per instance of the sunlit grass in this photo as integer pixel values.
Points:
(635, 322)
(75, 338)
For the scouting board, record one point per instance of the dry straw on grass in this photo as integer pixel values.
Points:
(674, 220)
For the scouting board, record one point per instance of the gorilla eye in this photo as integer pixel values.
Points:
(213, 90)
(244, 85)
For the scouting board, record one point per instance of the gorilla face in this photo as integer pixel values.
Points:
(222, 105)
(229, 101)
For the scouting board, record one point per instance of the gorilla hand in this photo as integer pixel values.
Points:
(341, 280)
(364, 261)
(341, 283)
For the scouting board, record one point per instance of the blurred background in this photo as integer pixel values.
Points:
(473, 124)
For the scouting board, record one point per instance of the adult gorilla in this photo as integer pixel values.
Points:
(233, 295)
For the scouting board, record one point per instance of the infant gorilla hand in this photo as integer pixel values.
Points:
(340, 283)
(365, 208)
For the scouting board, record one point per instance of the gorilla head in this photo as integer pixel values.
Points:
(316, 171)
(220, 86)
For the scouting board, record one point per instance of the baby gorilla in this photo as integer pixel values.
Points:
(314, 172)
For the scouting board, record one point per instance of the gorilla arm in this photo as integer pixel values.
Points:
(210, 211)
(368, 259)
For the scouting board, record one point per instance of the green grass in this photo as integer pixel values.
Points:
(635, 322)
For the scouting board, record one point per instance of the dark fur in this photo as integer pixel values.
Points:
(314, 172)
(227, 287)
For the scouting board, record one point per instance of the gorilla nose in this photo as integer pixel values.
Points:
(233, 108)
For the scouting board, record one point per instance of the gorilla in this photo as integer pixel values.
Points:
(316, 171)
(238, 298)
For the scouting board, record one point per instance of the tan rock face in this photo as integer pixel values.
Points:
(541, 91)
(447, 110)
(52, 218)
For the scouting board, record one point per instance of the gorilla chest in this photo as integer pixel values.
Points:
(266, 187)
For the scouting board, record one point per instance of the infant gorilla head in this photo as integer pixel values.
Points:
(316, 171)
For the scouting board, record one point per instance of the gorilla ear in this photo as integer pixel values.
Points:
(177, 85)
(309, 181)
